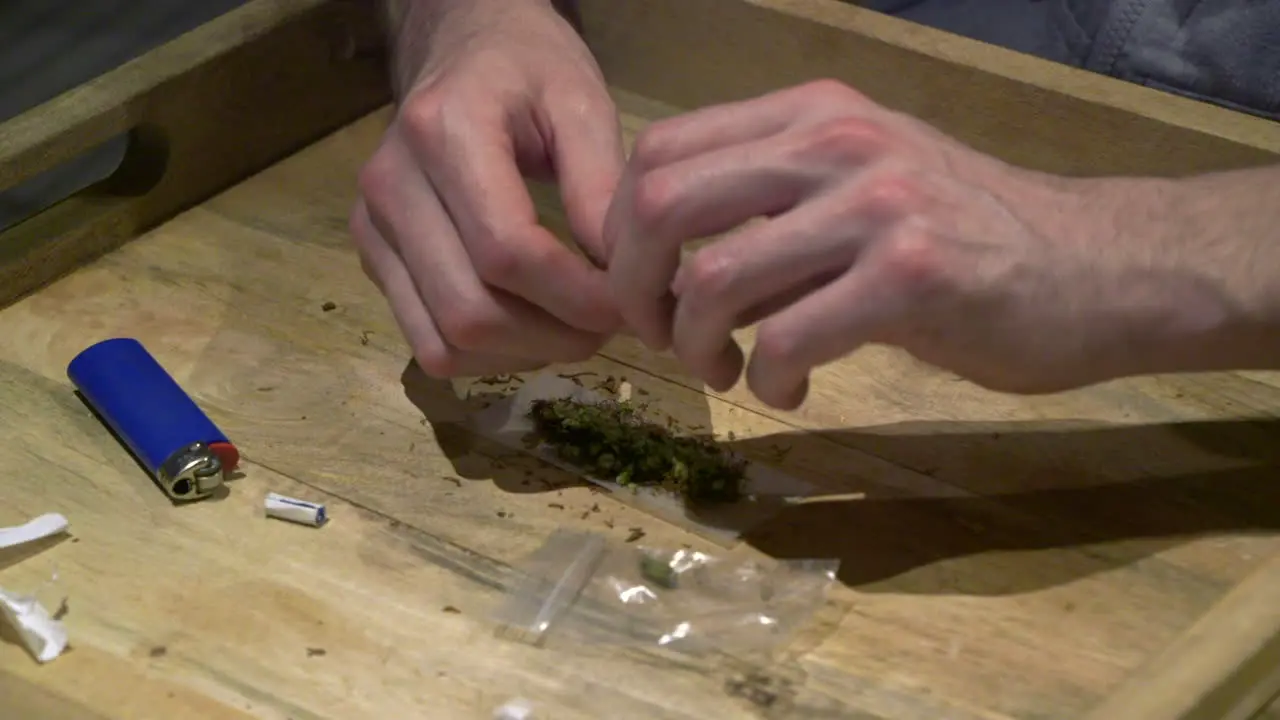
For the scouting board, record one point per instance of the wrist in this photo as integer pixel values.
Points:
(415, 28)
(1228, 225)
(1191, 293)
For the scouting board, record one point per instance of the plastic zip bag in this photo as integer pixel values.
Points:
(581, 587)
(765, 491)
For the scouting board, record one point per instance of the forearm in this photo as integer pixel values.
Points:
(1218, 237)
(406, 23)
(410, 26)
(1233, 220)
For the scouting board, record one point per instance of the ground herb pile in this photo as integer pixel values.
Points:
(610, 439)
(658, 571)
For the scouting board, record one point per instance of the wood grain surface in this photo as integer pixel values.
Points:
(1021, 108)
(192, 111)
(1012, 558)
(1002, 557)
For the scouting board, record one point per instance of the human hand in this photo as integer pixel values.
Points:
(444, 224)
(872, 227)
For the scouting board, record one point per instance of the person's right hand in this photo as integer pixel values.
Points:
(444, 224)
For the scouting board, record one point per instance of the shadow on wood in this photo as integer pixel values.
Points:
(986, 542)
(478, 458)
(474, 457)
(13, 555)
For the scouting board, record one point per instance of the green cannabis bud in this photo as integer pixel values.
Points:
(658, 572)
(610, 439)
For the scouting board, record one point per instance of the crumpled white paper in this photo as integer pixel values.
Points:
(517, 709)
(42, 527)
(766, 490)
(44, 637)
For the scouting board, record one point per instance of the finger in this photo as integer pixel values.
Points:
(663, 144)
(587, 152)
(693, 198)
(470, 315)
(735, 123)
(719, 190)
(732, 361)
(433, 354)
(758, 269)
(478, 181)
(773, 305)
(828, 323)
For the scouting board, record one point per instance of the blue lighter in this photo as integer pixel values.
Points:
(155, 419)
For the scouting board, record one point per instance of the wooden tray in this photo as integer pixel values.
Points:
(1107, 553)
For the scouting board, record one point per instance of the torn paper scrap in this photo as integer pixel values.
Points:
(41, 527)
(44, 637)
(517, 709)
(294, 510)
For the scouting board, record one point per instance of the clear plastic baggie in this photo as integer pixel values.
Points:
(766, 489)
(581, 587)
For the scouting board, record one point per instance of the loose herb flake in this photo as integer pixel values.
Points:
(610, 439)
(658, 572)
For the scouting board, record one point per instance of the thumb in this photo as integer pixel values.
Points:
(588, 156)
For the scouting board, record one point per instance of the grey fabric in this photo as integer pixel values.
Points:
(1221, 51)
(1225, 51)
(50, 46)
(1019, 25)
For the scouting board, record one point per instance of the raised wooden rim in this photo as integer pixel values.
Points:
(193, 110)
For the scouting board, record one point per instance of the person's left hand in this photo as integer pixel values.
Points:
(873, 227)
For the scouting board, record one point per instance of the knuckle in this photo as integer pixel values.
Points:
(652, 146)
(846, 140)
(496, 259)
(470, 328)
(652, 198)
(913, 261)
(425, 118)
(376, 176)
(895, 194)
(829, 90)
(709, 275)
(436, 361)
(775, 345)
(586, 100)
